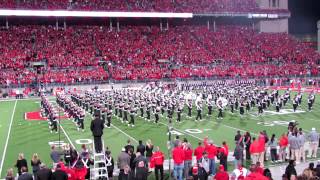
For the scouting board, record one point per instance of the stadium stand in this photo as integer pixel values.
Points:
(145, 52)
(195, 6)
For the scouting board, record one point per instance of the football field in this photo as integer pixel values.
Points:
(18, 135)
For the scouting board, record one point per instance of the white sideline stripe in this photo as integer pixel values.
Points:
(65, 133)
(8, 136)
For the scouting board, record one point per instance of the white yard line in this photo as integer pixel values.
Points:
(8, 136)
(65, 133)
(134, 139)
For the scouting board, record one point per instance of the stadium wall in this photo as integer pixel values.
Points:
(273, 26)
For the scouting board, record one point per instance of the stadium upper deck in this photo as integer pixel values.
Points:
(192, 6)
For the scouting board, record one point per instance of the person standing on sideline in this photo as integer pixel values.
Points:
(238, 155)
(24, 174)
(141, 148)
(35, 163)
(314, 142)
(290, 169)
(211, 149)
(178, 157)
(224, 152)
(273, 143)
(156, 162)
(109, 163)
(198, 152)
(149, 149)
(21, 162)
(283, 143)
(59, 174)
(254, 150)
(302, 140)
(96, 128)
(247, 142)
(123, 162)
(204, 166)
(44, 173)
(221, 174)
(187, 160)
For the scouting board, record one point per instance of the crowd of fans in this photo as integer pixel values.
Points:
(145, 52)
(199, 162)
(194, 6)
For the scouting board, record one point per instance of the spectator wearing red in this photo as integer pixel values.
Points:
(211, 149)
(255, 175)
(259, 169)
(255, 150)
(224, 152)
(283, 143)
(178, 160)
(198, 152)
(187, 159)
(262, 141)
(156, 162)
(221, 174)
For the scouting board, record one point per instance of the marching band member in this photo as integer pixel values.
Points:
(209, 104)
(220, 109)
(199, 108)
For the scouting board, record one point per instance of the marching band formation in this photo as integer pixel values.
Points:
(151, 103)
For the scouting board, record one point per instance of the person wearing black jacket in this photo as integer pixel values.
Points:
(43, 173)
(97, 132)
(141, 148)
(21, 162)
(290, 169)
(24, 174)
(59, 174)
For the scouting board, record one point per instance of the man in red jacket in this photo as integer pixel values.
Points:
(198, 152)
(211, 149)
(157, 160)
(178, 157)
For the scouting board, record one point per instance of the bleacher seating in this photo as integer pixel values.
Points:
(136, 53)
(194, 6)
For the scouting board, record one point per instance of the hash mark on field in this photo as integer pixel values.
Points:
(7, 140)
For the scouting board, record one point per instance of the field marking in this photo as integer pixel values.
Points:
(182, 131)
(8, 136)
(65, 133)
(134, 139)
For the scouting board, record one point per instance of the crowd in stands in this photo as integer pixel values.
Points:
(201, 161)
(145, 52)
(192, 6)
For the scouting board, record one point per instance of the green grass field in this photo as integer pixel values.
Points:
(34, 136)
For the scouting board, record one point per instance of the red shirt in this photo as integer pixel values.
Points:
(211, 150)
(157, 158)
(259, 170)
(198, 152)
(255, 176)
(225, 150)
(283, 142)
(178, 155)
(255, 147)
(188, 154)
(221, 175)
